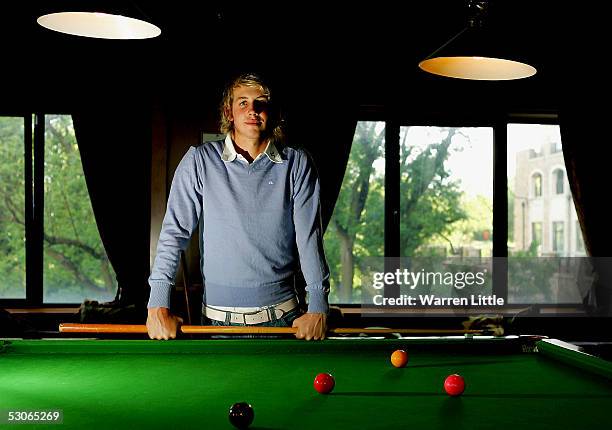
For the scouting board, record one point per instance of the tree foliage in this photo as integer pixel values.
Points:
(12, 208)
(430, 204)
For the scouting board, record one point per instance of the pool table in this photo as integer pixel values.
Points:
(511, 382)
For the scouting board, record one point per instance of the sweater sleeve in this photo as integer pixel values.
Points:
(308, 232)
(181, 218)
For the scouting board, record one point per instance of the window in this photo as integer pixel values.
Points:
(74, 262)
(530, 202)
(537, 185)
(12, 208)
(536, 234)
(543, 203)
(427, 191)
(579, 238)
(445, 202)
(537, 218)
(356, 229)
(446, 191)
(555, 147)
(558, 234)
(559, 178)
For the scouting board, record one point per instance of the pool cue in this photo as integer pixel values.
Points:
(185, 284)
(192, 329)
(293, 330)
(102, 328)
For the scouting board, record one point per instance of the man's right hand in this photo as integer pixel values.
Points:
(161, 324)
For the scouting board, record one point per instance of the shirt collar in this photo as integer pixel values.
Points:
(230, 154)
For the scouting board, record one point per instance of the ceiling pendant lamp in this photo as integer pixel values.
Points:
(475, 54)
(99, 25)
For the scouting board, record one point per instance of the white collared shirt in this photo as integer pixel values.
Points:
(230, 154)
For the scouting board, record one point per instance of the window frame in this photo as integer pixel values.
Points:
(31, 194)
(556, 235)
(555, 181)
(533, 232)
(578, 237)
(536, 192)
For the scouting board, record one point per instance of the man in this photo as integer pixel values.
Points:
(257, 203)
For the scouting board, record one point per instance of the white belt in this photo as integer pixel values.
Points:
(250, 318)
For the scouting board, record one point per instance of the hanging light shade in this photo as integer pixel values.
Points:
(475, 54)
(99, 25)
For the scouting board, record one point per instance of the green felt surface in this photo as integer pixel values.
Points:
(192, 383)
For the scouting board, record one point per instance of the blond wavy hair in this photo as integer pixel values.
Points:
(274, 128)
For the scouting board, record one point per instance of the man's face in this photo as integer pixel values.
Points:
(249, 112)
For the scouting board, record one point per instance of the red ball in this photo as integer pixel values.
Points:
(454, 385)
(324, 383)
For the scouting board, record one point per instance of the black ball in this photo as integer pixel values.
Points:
(241, 415)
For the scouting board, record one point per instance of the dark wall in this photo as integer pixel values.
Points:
(317, 54)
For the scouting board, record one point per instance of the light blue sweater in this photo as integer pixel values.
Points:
(258, 224)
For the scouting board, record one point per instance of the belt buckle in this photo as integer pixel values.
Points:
(235, 317)
(266, 310)
(252, 315)
(244, 319)
(259, 317)
(272, 313)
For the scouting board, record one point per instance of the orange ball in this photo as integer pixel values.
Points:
(399, 358)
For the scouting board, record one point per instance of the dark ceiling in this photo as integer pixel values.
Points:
(366, 53)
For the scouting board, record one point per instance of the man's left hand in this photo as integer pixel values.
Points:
(311, 326)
